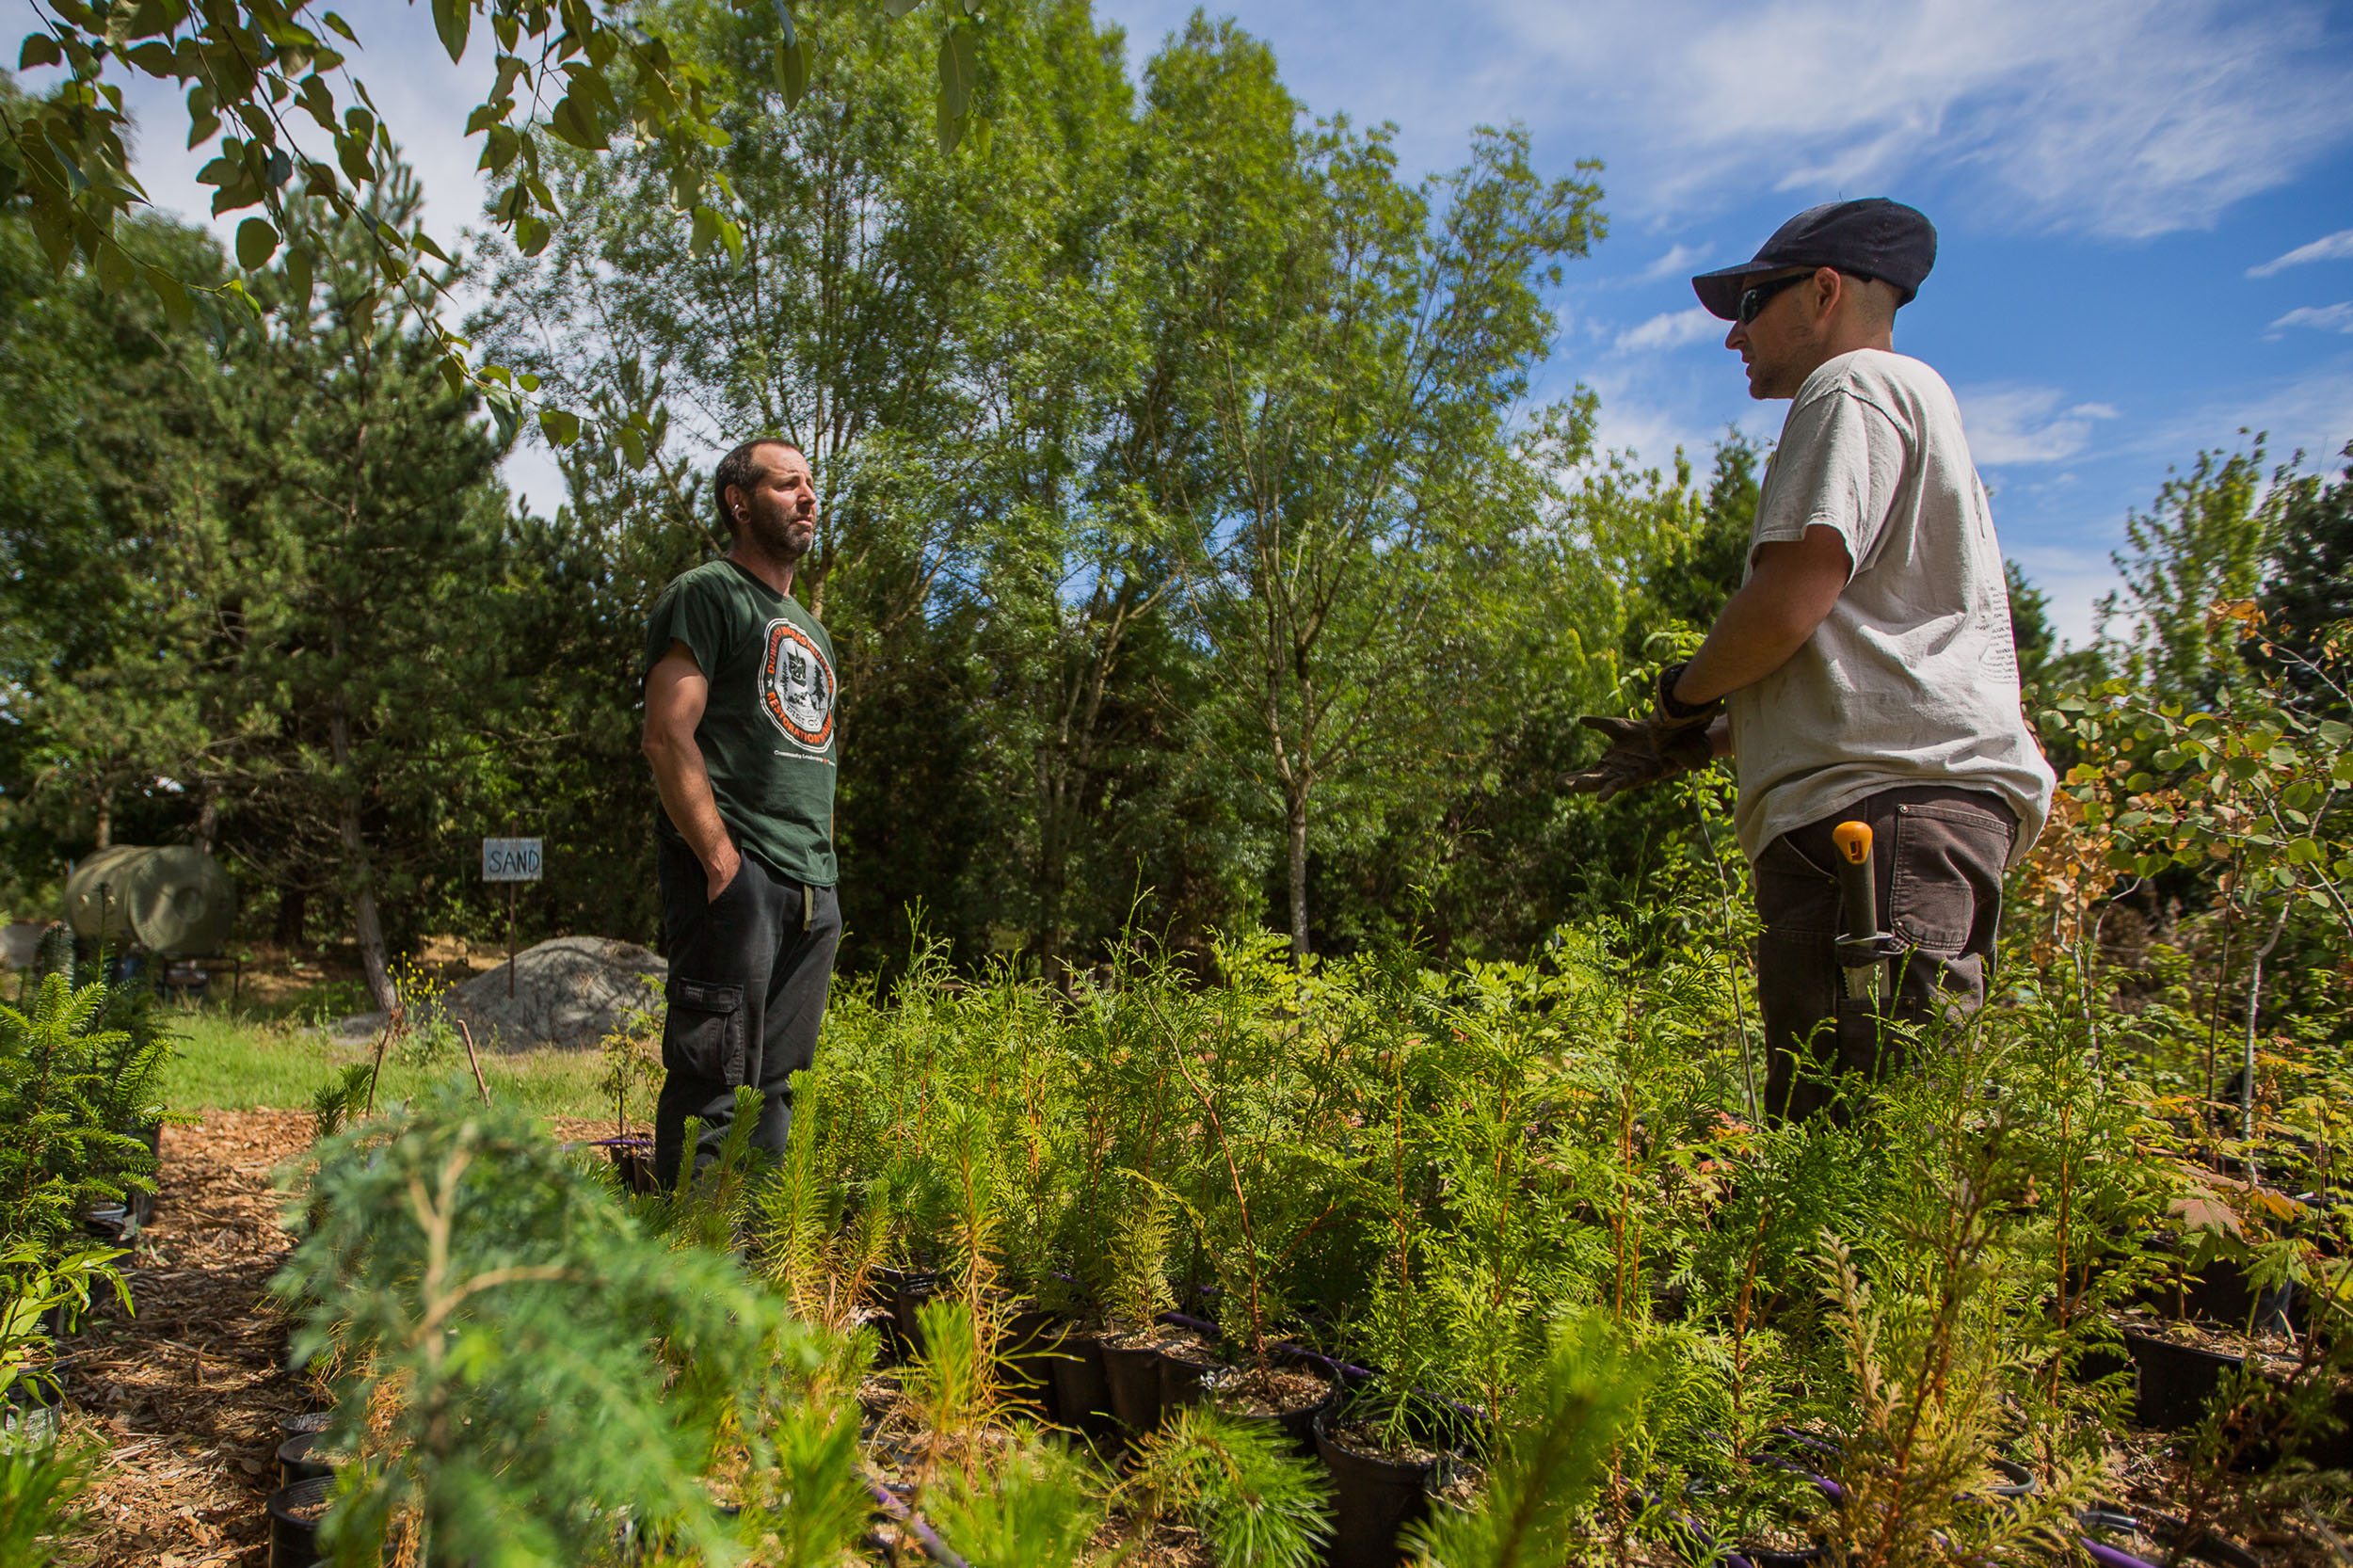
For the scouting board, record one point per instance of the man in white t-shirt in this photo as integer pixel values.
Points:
(1863, 671)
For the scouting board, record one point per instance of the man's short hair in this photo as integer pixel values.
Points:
(736, 471)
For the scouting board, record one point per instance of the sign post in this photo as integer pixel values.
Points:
(511, 861)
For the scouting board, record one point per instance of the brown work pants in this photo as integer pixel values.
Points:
(1937, 859)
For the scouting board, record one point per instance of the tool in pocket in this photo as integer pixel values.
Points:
(1864, 950)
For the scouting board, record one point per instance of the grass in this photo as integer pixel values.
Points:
(245, 1060)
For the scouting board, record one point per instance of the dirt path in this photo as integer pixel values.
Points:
(187, 1392)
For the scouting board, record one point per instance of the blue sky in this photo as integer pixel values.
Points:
(2146, 209)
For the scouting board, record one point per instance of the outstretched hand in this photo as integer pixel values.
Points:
(1643, 752)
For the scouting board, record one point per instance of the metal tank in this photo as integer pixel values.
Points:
(174, 901)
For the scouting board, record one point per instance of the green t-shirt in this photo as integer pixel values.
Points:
(767, 733)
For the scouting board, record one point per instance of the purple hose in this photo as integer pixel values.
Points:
(2109, 1557)
(915, 1526)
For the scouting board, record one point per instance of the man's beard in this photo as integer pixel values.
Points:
(776, 537)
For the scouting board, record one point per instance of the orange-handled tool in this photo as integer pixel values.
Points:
(1863, 946)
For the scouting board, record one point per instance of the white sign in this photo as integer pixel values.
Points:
(510, 860)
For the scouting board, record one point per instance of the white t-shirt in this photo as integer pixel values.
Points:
(1911, 678)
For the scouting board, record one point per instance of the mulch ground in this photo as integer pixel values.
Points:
(186, 1393)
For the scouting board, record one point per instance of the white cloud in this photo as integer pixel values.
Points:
(2025, 424)
(2329, 248)
(2126, 118)
(1673, 262)
(2321, 318)
(1674, 329)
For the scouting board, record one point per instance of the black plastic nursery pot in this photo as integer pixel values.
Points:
(1234, 1392)
(904, 1291)
(1131, 1373)
(633, 1158)
(1184, 1367)
(1373, 1497)
(2099, 1361)
(2221, 1291)
(112, 1224)
(295, 1423)
(294, 1513)
(1031, 1343)
(886, 1329)
(1083, 1397)
(296, 1461)
(2176, 1381)
(2334, 1450)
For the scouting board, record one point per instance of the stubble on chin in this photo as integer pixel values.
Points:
(785, 541)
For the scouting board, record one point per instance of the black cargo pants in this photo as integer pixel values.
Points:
(748, 973)
(1937, 859)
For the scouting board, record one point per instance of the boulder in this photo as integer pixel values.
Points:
(569, 993)
(20, 943)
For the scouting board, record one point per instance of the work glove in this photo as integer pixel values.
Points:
(1669, 742)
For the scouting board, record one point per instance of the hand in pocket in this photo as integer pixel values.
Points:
(720, 877)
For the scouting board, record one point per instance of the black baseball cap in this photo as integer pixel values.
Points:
(1872, 237)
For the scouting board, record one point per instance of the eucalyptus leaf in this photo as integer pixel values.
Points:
(451, 19)
(790, 66)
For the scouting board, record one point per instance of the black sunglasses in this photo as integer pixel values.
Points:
(1753, 302)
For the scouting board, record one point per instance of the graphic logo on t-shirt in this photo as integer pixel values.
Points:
(796, 686)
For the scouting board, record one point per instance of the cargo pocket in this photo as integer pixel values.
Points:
(1947, 883)
(704, 1035)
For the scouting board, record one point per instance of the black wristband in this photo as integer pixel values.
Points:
(1667, 701)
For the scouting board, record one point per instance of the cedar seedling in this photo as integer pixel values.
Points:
(526, 1364)
(1555, 1448)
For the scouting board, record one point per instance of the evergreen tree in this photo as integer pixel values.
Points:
(105, 435)
(359, 490)
(2308, 589)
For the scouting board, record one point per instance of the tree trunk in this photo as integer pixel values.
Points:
(2254, 1007)
(207, 823)
(293, 901)
(106, 832)
(360, 871)
(1297, 835)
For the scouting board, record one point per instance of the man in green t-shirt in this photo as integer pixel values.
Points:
(739, 693)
